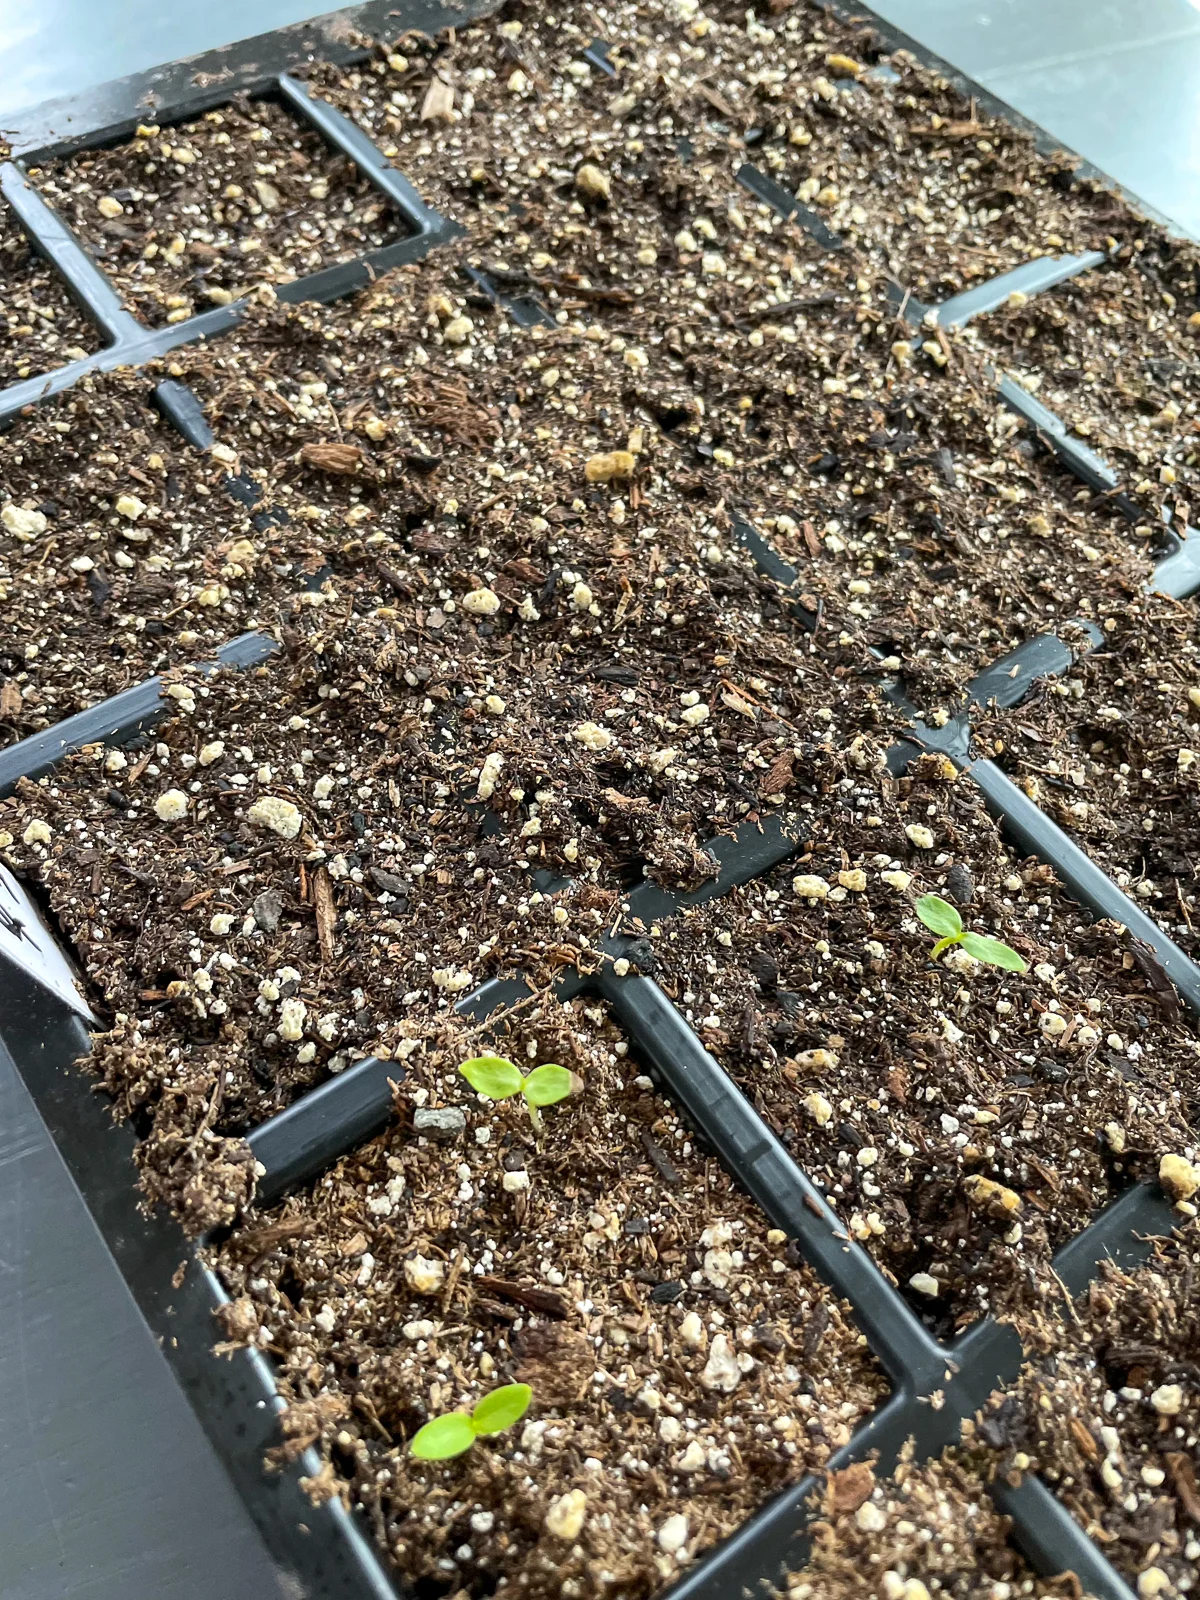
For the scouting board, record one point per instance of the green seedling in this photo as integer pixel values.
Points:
(458, 1430)
(500, 1080)
(940, 917)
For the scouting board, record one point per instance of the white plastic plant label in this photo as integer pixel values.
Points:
(25, 941)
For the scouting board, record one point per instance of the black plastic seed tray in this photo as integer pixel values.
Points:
(216, 1417)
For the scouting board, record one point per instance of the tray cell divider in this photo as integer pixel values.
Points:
(787, 206)
(115, 720)
(1052, 1540)
(1037, 835)
(323, 1125)
(55, 241)
(339, 131)
(1030, 278)
(1177, 574)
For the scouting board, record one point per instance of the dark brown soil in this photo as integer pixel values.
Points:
(43, 328)
(518, 631)
(427, 768)
(184, 218)
(1109, 1412)
(884, 473)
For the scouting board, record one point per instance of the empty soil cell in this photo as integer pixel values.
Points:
(43, 327)
(929, 1528)
(932, 547)
(1108, 1412)
(187, 217)
(115, 555)
(682, 1368)
(1110, 751)
(1114, 353)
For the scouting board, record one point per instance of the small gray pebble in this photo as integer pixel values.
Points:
(960, 885)
(388, 881)
(267, 909)
(447, 1122)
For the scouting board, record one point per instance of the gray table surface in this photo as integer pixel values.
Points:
(108, 1488)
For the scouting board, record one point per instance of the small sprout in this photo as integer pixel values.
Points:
(500, 1079)
(457, 1431)
(940, 917)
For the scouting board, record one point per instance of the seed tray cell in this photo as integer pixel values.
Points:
(1113, 754)
(660, 1204)
(351, 1104)
(88, 1435)
(107, 597)
(889, 1109)
(116, 721)
(316, 208)
(869, 146)
(132, 343)
(1134, 413)
(1171, 546)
